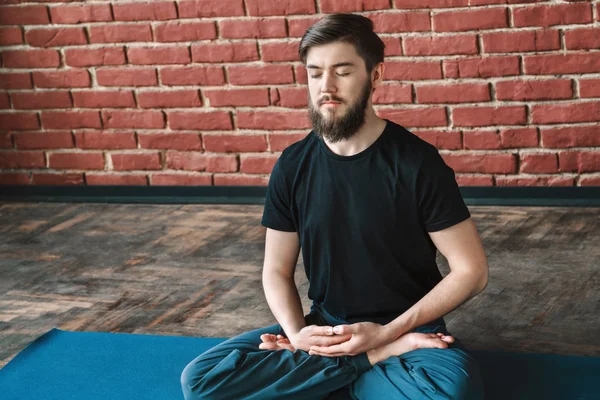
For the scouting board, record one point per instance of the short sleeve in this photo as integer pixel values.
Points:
(439, 199)
(277, 212)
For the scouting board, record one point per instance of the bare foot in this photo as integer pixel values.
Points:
(409, 342)
(275, 342)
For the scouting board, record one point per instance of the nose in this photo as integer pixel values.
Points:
(328, 83)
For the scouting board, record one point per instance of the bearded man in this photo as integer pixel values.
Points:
(369, 204)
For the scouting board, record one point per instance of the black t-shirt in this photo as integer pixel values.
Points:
(363, 220)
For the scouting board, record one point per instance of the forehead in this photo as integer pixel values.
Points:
(326, 55)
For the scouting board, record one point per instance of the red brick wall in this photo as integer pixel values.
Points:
(209, 92)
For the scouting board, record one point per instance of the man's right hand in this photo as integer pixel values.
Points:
(312, 335)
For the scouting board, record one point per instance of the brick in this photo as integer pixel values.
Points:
(70, 119)
(583, 180)
(37, 100)
(120, 33)
(224, 52)
(487, 18)
(442, 45)
(185, 31)
(539, 163)
(151, 11)
(279, 142)
(158, 55)
(73, 78)
(259, 28)
(114, 179)
(486, 67)
(482, 163)
(520, 181)
(237, 97)
(551, 89)
(208, 76)
(262, 164)
(272, 120)
(57, 179)
(565, 113)
(39, 58)
(486, 116)
(24, 15)
(55, 37)
(216, 120)
(481, 140)
(549, 15)
(10, 36)
(297, 27)
(6, 140)
(147, 119)
(130, 162)
(330, 6)
(81, 161)
(181, 179)
(94, 57)
(281, 51)
(582, 39)
(413, 70)
(103, 99)
(548, 64)
(267, 7)
(391, 22)
(126, 77)
(416, 117)
(589, 87)
(44, 140)
(260, 75)
(18, 80)
(521, 41)
(580, 161)
(519, 137)
(393, 46)
(179, 141)
(235, 143)
(22, 159)
(210, 8)
(19, 120)
(169, 99)
(580, 136)
(474, 180)
(393, 94)
(291, 97)
(449, 140)
(453, 93)
(4, 101)
(105, 140)
(240, 180)
(560, 181)
(18, 178)
(301, 75)
(80, 13)
(194, 161)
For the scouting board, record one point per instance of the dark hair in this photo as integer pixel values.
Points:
(350, 28)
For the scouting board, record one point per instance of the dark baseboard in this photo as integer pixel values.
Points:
(588, 196)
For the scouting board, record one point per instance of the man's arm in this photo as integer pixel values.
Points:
(281, 255)
(462, 247)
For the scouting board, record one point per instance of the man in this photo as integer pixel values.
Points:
(368, 203)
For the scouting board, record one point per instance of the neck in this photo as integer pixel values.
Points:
(363, 138)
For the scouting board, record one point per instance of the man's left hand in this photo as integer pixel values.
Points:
(365, 336)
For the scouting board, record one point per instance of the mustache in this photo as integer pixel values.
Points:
(329, 98)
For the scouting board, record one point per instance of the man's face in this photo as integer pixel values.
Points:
(339, 90)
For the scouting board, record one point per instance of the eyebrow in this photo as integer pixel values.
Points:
(342, 64)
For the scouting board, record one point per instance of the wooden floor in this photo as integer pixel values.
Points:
(194, 270)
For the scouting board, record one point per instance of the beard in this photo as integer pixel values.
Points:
(334, 128)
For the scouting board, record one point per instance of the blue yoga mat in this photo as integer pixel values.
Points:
(63, 365)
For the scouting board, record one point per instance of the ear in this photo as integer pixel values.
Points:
(377, 75)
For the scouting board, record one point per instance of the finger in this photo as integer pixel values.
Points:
(331, 340)
(315, 353)
(268, 346)
(338, 348)
(322, 331)
(342, 329)
(448, 339)
(286, 346)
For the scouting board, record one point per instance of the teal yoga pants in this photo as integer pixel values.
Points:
(238, 369)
